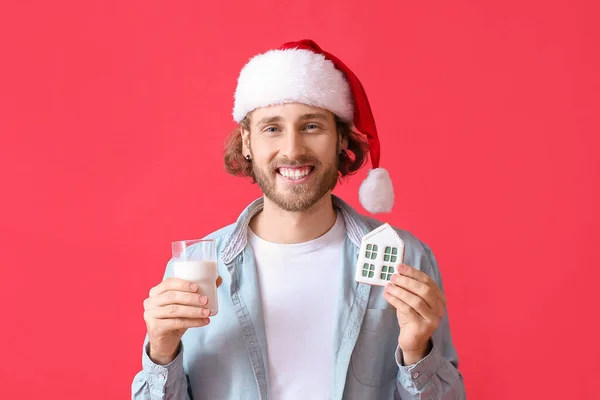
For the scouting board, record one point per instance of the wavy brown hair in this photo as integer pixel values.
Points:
(350, 160)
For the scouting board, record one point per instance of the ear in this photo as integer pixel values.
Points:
(245, 141)
(343, 142)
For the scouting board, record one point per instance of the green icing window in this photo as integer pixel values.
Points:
(368, 270)
(390, 254)
(386, 272)
(371, 252)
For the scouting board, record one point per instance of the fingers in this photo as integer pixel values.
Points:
(178, 285)
(406, 310)
(413, 273)
(173, 324)
(173, 284)
(417, 288)
(419, 283)
(422, 309)
(177, 311)
(424, 298)
(173, 306)
(184, 323)
(176, 297)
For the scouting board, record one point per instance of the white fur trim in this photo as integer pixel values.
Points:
(376, 192)
(294, 75)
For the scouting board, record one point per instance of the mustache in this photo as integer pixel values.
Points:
(304, 160)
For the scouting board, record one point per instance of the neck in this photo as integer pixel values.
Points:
(279, 226)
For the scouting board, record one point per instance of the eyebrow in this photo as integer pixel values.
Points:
(270, 120)
(313, 116)
(303, 117)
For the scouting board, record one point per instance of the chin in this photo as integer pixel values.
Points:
(292, 202)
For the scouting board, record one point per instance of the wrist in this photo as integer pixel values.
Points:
(413, 356)
(162, 357)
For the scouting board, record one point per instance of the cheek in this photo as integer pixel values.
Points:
(262, 155)
(326, 152)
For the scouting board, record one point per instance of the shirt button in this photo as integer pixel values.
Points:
(416, 375)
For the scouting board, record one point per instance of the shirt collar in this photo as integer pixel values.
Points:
(356, 227)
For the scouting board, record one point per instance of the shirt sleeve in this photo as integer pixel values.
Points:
(432, 378)
(436, 376)
(160, 382)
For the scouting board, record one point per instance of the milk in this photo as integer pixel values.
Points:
(204, 274)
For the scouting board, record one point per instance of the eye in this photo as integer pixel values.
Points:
(271, 129)
(312, 126)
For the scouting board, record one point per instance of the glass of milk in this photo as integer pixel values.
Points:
(196, 261)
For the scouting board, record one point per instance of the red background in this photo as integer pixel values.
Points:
(113, 116)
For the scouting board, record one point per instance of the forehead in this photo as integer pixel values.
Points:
(289, 112)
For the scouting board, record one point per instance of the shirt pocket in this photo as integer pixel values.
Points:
(373, 361)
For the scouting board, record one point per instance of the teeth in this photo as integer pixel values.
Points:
(294, 173)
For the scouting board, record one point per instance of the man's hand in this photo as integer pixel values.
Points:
(420, 305)
(173, 306)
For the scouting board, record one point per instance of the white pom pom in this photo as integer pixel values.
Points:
(376, 193)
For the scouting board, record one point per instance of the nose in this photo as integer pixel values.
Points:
(293, 146)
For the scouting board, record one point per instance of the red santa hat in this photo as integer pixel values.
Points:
(304, 73)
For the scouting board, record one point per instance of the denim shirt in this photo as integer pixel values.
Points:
(227, 359)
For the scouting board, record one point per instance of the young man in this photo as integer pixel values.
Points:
(293, 323)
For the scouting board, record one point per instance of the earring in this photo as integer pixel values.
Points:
(247, 157)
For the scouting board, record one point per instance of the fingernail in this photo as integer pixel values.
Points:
(203, 300)
(193, 287)
(205, 312)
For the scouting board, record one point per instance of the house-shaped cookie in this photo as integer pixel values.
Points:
(380, 251)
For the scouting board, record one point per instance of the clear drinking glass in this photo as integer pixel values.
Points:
(196, 261)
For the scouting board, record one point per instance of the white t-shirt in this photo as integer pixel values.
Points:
(299, 292)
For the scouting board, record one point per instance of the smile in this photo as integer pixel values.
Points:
(296, 173)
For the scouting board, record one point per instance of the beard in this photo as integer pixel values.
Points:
(299, 197)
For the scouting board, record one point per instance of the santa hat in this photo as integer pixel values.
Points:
(302, 72)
